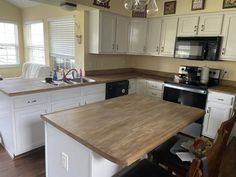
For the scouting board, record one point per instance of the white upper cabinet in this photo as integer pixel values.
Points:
(168, 36)
(138, 33)
(154, 36)
(204, 25)
(229, 38)
(188, 26)
(210, 25)
(108, 33)
(122, 34)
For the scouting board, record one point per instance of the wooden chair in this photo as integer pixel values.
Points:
(145, 168)
(213, 155)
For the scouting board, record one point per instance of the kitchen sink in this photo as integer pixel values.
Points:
(83, 80)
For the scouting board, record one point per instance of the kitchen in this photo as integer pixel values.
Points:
(114, 54)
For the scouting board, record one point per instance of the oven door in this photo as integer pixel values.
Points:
(190, 97)
(190, 48)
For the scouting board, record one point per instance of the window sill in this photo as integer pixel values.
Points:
(9, 66)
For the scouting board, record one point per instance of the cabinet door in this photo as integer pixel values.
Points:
(107, 32)
(169, 29)
(94, 98)
(188, 26)
(29, 128)
(141, 87)
(138, 33)
(154, 36)
(66, 104)
(216, 114)
(210, 25)
(132, 86)
(229, 38)
(122, 30)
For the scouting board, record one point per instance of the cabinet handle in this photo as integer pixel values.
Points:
(220, 99)
(223, 51)
(117, 47)
(195, 28)
(157, 49)
(113, 46)
(208, 112)
(33, 101)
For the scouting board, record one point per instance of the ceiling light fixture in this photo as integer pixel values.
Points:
(141, 5)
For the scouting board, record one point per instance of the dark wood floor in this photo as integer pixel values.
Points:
(33, 165)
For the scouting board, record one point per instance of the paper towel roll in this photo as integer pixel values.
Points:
(205, 75)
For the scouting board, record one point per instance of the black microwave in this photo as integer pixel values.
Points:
(198, 48)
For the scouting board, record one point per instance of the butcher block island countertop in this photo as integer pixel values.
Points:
(124, 129)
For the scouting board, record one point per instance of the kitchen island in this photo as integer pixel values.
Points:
(110, 134)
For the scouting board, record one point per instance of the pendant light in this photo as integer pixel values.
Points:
(141, 5)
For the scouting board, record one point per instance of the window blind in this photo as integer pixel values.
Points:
(62, 37)
(35, 42)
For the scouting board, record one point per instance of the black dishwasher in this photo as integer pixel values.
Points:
(116, 89)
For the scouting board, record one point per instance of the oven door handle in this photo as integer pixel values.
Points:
(204, 92)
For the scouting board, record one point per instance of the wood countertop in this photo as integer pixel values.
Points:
(224, 89)
(124, 129)
(16, 87)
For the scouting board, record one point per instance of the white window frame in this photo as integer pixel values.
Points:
(27, 46)
(17, 44)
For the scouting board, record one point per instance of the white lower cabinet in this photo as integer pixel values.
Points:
(21, 126)
(80, 161)
(219, 109)
(150, 88)
(29, 128)
(94, 93)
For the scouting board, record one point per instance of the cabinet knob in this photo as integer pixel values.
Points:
(162, 49)
(223, 51)
(157, 49)
(203, 28)
(195, 28)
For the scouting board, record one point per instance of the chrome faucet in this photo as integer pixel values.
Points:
(73, 75)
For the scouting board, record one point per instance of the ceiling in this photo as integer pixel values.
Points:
(23, 3)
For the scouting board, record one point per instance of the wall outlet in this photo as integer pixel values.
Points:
(65, 161)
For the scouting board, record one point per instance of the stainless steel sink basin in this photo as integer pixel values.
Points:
(83, 80)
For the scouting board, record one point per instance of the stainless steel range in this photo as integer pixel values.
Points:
(189, 91)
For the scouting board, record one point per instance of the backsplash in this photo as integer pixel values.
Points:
(171, 65)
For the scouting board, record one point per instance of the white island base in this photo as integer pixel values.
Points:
(65, 157)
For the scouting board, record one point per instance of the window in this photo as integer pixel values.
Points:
(9, 50)
(35, 42)
(62, 42)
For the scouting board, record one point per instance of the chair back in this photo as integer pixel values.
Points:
(195, 169)
(214, 154)
(34, 70)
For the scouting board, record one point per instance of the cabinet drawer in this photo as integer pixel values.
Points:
(65, 94)
(29, 100)
(155, 85)
(154, 93)
(221, 98)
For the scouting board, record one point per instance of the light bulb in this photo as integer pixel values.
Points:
(129, 4)
(152, 7)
